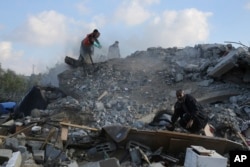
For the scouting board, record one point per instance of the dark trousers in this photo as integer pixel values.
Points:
(199, 122)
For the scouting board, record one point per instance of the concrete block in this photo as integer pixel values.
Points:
(90, 164)
(213, 159)
(15, 160)
(73, 164)
(12, 143)
(5, 155)
(226, 64)
(157, 164)
(109, 162)
(22, 149)
(39, 155)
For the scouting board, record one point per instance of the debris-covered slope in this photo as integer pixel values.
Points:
(70, 124)
(124, 90)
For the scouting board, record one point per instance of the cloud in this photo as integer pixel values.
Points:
(11, 59)
(46, 28)
(100, 20)
(133, 12)
(50, 28)
(58, 33)
(6, 51)
(147, 2)
(247, 6)
(174, 28)
(82, 7)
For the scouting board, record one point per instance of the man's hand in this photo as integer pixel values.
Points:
(99, 46)
(170, 127)
(189, 124)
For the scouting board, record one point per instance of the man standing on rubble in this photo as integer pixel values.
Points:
(87, 47)
(192, 116)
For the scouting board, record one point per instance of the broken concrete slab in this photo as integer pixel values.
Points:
(218, 96)
(226, 64)
(15, 160)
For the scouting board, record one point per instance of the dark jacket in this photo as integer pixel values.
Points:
(187, 110)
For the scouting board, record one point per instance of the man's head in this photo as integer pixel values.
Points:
(96, 33)
(180, 95)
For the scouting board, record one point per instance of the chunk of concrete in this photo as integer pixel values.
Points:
(216, 96)
(15, 160)
(109, 162)
(157, 164)
(226, 64)
(39, 155)
(5, 155)
(194, 159)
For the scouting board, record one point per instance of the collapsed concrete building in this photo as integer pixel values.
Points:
(101, 117)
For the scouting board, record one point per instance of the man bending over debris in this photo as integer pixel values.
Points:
(87, 47)
(192, 116)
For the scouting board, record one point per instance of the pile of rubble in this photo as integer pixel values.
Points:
(99, 115)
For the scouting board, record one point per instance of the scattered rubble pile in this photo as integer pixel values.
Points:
(100, 115)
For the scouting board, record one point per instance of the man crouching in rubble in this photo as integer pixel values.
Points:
(192, 116)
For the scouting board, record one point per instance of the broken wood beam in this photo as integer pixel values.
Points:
(64, 133)
(102, 95)
(51, 133)
(26, 138)
(3, 137)
(243, 140)
(79, 126)
(22, 130)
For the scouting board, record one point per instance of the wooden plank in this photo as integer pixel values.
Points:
(50, 135)
(64, 133)
(102, 95)
(79, 126)
(26, 138)
(243, 140)
(178, 145)
(24, 129)
(176, 142)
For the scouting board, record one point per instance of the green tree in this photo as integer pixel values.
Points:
(11, 84)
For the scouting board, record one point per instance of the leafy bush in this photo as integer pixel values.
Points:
(11, 85)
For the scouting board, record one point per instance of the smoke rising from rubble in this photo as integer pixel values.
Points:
(50, 77)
